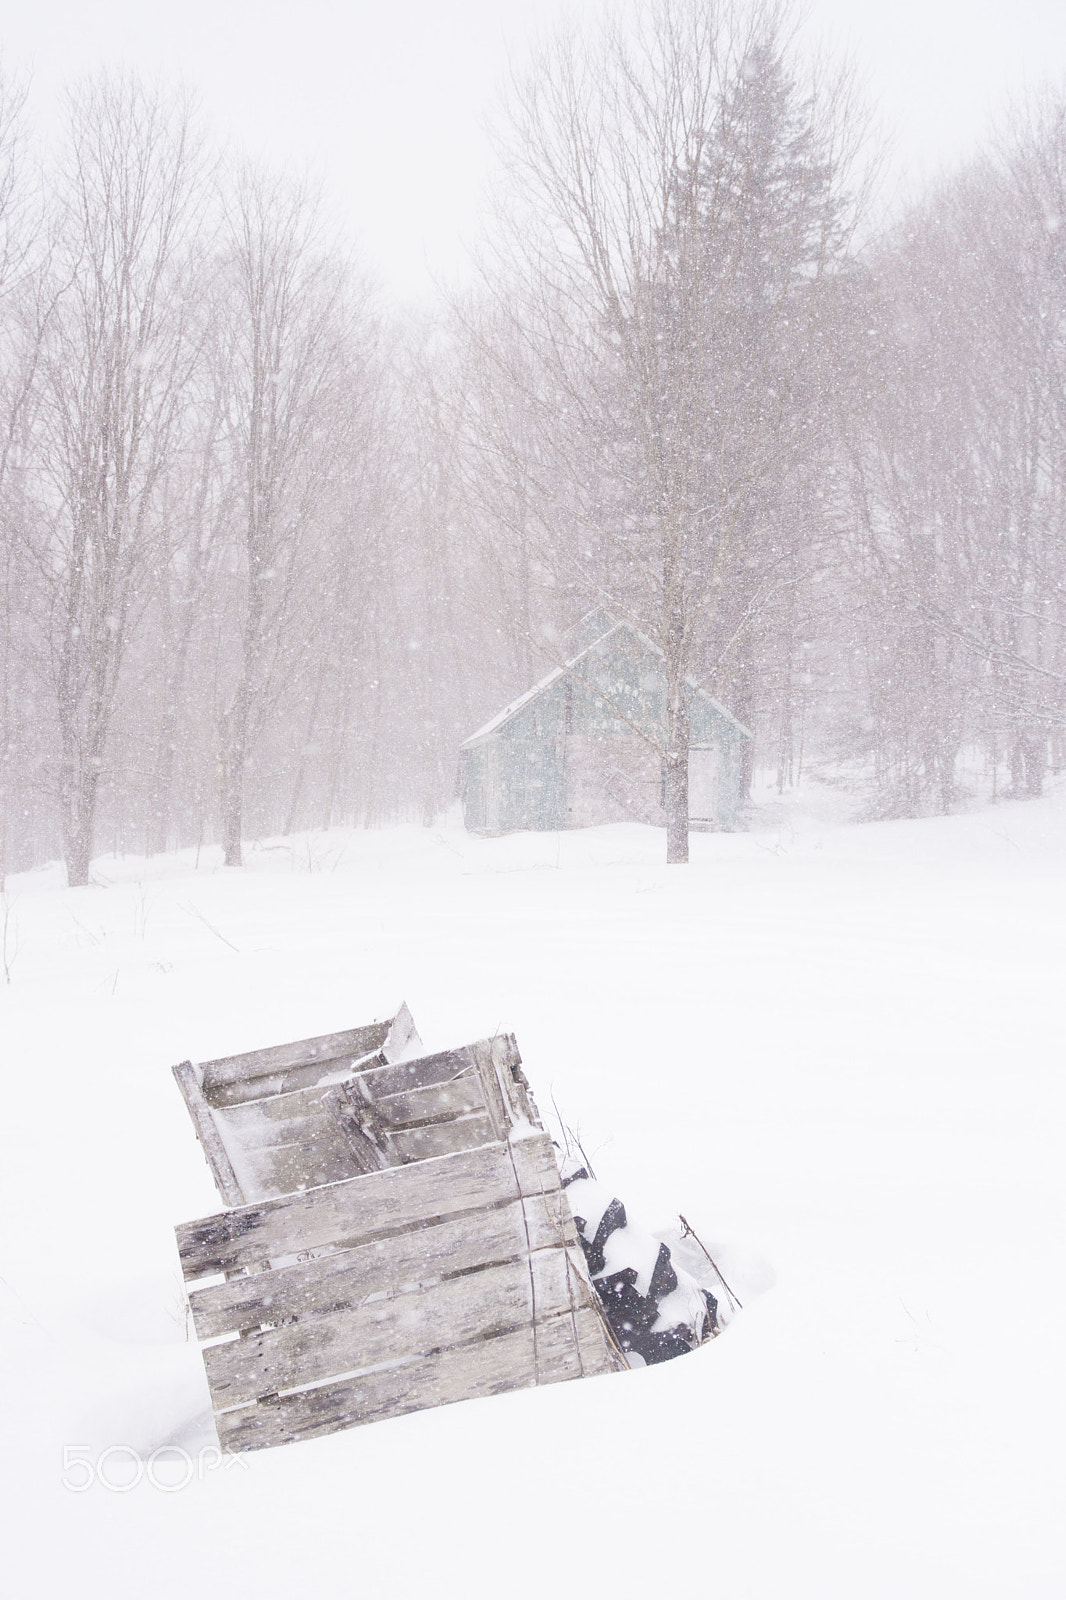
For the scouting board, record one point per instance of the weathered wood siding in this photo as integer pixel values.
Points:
(263, 1118)
(351, 1121)
(452, 1277)
(399, 1236)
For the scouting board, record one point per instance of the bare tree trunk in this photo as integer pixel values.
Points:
(233, 730)
(676, 784)
(115, 367)
(81, 826)
(1028, 763)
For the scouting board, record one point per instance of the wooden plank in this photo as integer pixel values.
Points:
(442, 1138)
(443, 1067)
(210, 1140)
(418, 1074)
(477, 1305)
(402, 1041)
(491, 1366)
(275, 1118)
(485, 1060)
(268, 1174)
(514, 1083)
(231, 1075)
(288, 1142)
(437, 1102)
(312, 1074)
(374, 1205)
(597, 1349)
(359, 1129)
(533, 1160)
(597, 1353)
(319, 1287)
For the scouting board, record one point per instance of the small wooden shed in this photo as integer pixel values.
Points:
(570, 752)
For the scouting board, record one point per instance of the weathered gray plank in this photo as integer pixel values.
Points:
(596, 1351)
(228, 1079)
(211, 1142)
(314, 1074)
(377, 1203)
(356, 1042)
(491, 1366)
(436, 1103)
(445, 1065)
(516, 1087)
(478, 1305)
(360, 1129)
(506, 1090)
(402, 1040)
(483, 1056)
(533, 1160)
(315, 1288)
(420, 1073)
(442, 1138)
(268, 1174)
(266, 1121)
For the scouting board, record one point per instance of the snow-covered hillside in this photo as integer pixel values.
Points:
(837, 1050)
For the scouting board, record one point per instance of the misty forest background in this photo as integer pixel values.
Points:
(270, 550)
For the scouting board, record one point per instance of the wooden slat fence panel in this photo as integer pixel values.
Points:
(436, 1103)
(441, 1138)
(273, 1122)
(291, 1168)
(286, 1143)
(409, 1242)
(420, 1073)
(211, 1142)
(366, 1207)
(259, 1124)
(304, 1062)
(477, 1305)
(240, 1074)
(491, 1366)
(347, 1277)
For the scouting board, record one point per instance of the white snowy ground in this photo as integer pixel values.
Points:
(838, 1050)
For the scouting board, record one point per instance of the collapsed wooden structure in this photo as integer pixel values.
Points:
(397, 1235)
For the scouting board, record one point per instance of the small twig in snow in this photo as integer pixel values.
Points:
(564, 1130)
(210, 925)
(9, 956)
(687, 1231)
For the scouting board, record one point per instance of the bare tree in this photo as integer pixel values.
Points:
(288, 312)
(669, 270)
(198, 501)
(24, 311)
(955, 441)
(114, 374)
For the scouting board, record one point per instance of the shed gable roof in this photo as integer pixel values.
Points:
(509, 711)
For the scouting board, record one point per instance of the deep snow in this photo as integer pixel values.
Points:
(836, 1049)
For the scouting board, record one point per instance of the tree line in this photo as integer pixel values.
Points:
(212, 578)
(269, 550)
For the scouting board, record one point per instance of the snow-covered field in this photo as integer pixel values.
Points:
(837, 1050)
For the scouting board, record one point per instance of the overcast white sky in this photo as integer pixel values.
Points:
(384, 98)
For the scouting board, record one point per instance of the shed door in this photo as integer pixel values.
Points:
(704, 763)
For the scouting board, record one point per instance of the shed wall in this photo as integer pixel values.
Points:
(573, 755)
